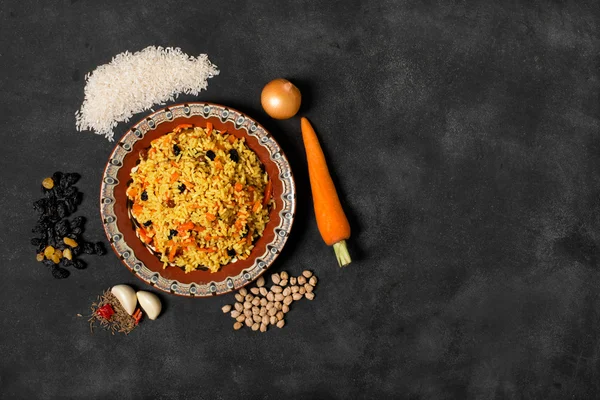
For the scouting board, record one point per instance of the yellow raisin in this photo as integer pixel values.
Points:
(70, 242)
(58, 253)
(67, 254)
(49, 251)
(48, 183)
(55, 258)
(39, 257)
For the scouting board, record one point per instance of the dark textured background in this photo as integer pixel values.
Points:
(465, 143)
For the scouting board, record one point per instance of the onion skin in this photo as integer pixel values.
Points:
(281, 99)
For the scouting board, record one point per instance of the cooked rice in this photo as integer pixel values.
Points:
(220, 209)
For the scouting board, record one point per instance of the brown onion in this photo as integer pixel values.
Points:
(281, 99)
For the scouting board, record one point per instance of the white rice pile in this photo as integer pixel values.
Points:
(132, 83)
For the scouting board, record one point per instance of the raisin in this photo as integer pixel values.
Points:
(41, 205)
(79, 264)
(231, 252)
(211, 155)
(61, 210)
(48, 263)
(172, 233)
(70, 192)
(40, 247)
(69, 179)
(233, 154)
(99, 248)
(76, 231)
(62, 228)
(66, 263)
(181, 188)
(176, 150)
(60, 273)
(36, 241)
(144, 196)
(147, 223)
(48, 183)
(56, 176)
(76, 251)
(77, 222)
(170, 203)
(88, 248)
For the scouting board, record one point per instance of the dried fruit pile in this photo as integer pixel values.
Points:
(59, 240)
(261, 307)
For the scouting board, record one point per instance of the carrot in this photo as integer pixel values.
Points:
(256, 207)
(174, 177)
(210, 217)
(238, 187)
(137, 209)
(172, 252)
(144, 236)
(131, 192)
(267, 193)
(199, 228)
(331, 220)
(181, 127)
(183, 228)
(249, 237)
(209, 128)
(231, 139)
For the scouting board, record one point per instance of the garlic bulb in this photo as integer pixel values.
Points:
(150, 303)
(126, 296)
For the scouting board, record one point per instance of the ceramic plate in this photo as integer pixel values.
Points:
(120, 230)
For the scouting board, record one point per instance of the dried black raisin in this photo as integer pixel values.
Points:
(60, 273)
(99, 248)
(231, 252)
(76, 251)
(40, 205)
(88, 248)
(79, 264)
(233, 154)
(70, 192)
(67, 263)
(77, 231)
(77, 222)
(172, 233)
(181, 188)
(36, 241)
(211, 154)
(69, 179)
(62, 228)
(176, 150)
(56, 177)
(61, 211)
(144, 195)
(147, 223)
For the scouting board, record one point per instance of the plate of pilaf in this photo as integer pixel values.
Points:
(197, 199)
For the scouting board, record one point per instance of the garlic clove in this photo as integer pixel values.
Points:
(126, 296)
(150, 303)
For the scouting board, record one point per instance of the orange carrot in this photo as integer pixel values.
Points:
(181, 127)
(209, 128)
(137, 209)
(238, 187)
(210, 217)
(231, 139)
(256, 207)
(267, 193)
(174, 177)
(199, 228)
(144, 236)
(249, 237)
(331, 220)
(131, 192)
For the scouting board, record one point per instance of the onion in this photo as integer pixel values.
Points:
(281, 99)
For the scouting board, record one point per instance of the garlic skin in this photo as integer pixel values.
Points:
(150, 303)
(126, 296)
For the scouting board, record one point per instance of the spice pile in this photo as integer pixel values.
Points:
(59, 240)
(116, 309)
(108, 312)
(261, 307)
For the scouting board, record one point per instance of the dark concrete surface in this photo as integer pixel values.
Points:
(463, 136)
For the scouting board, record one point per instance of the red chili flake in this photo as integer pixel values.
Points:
(106, 311)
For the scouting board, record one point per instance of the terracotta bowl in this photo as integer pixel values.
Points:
(120, 230)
